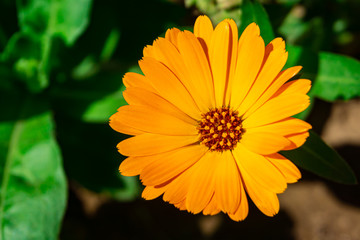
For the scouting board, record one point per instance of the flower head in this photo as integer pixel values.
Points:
(208, 118)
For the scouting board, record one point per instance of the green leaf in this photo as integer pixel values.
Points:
(333, 76)
(317, 157)
(93, 100)
(254, 12)
(40, 21)
(338, 77)
(45, 18)
(33, 184)
(72, 18)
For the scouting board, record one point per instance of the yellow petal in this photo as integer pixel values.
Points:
(243, 209)
(203, 29)
(178, 188)
(276, 84)
(251, 50)
(123, 128)
(200, 81)
(266, 201)
(133, 166)
(284, 127)
(233, 50)
(220, 56)
(228, 185)
(151, 121)
(148, 51)
(300, 86)
(290, 172)
(149, 144)
(151, 192)
(171, 35)
(181, 205)
(297, 140)
(272, 65)
(260, 169)
(277, 109)
(131, 79)
(212, 208)
(142, 97)
(169, 55)
(264, 143)
(202, 184)
(170, 164)
(169, 86)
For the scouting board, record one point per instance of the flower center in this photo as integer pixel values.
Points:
(220, 129)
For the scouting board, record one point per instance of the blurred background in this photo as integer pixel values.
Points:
(61, 68)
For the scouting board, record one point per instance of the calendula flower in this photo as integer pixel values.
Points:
(208, 118)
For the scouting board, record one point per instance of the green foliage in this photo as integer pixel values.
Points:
(317, 157)
(334, 76)
(33, 185)
(40, 21)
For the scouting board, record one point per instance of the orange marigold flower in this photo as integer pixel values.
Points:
(209, 116)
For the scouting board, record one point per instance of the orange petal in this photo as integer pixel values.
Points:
(148, 51)
(170, 164)
(142, 97)
(272, 65)
(290, 172)
(249, 59)
(168, 54)
(233, 50)
(133, 166)
(169, 86)
(276, 84)
(297, 140)
(300, 86)
(228, 185)
(277, 109)
(123, 128)
(178, 188)
(198, 66)
(202, 184)
(243, 209)
(149, 144)
(151, 192)
(220, 56)
(181, 205)
(284, 127)
(203, 29)
(131, 79)
(266, 201)
(264, 142)
(151, 121)
(212, 208)
(260, 169)
(171, 35)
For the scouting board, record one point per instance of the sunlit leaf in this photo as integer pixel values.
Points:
(317, 157)
(40, 21)
(333, 76)
(33, 184)
(338, 77)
